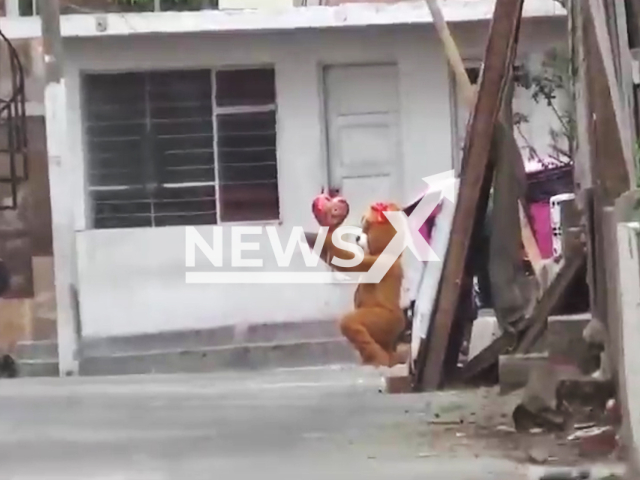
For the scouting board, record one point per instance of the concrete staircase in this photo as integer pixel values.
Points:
(255, 347)
(562, 345)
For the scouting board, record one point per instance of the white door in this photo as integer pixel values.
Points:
(362, 110)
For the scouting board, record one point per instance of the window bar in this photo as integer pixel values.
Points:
(147, 115)
(214, 110)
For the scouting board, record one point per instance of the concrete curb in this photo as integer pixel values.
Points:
(593, 472)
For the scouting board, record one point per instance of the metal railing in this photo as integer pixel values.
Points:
(13, 127)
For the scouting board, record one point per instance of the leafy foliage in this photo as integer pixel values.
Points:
(551, 86)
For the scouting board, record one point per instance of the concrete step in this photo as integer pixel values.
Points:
(235, 357)
(514, 369)
(566, 342)
(38, 368)
(37, 350)
(189, 339)
(208, 338)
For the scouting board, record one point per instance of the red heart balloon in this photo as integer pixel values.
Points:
(330, 210)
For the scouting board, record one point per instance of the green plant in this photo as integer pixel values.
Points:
(550, 85)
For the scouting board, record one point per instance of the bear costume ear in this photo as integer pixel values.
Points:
(377, 210)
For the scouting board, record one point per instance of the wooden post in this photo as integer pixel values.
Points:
(64, 252)
(499, 58)
(469, 95)
(597, 20)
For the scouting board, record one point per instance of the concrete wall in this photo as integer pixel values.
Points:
(132, 281)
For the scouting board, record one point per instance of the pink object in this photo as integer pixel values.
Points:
(329, 210)
(541, 213)
(426, 230)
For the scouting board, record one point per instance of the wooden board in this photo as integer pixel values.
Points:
(537, 323)
(531, 328)
(469, 95)
(597, 24)
(499, 56)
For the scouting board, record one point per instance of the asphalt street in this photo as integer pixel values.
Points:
(290, 424)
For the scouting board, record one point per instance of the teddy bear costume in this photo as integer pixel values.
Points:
(377, 320)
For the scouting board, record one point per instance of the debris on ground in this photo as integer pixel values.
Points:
(596, 441)
(480, 421)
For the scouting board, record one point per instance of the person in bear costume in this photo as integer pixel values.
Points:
(377, 320)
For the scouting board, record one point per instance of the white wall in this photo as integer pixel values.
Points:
(132, 280)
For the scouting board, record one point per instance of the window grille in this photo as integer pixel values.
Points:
(29, 8)
(163, 149)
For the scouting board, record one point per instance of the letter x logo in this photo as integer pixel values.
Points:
(408, 234)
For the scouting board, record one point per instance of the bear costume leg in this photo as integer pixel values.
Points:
(373, 332)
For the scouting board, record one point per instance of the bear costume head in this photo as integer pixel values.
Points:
(377, 230)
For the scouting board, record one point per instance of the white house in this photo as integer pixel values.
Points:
(241, 118)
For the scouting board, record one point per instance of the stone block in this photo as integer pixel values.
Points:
(566, 342)
(514, 369)
(396, 385)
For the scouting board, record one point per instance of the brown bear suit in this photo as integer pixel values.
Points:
(377, 320)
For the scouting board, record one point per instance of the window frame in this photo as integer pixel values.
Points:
(90, 203)
(231, 110)
(12, 8)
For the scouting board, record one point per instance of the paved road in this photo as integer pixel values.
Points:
(311, 424)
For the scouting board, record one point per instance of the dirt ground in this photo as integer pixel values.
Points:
(479, 421)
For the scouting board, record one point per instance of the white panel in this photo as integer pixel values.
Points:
(366, 144)
(427, 290)
(362, 192)
(362, 89)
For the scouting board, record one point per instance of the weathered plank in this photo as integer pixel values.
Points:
(537, 322)
(469, 94)
(597, 24)
(505, 343)
(499, 56)
(529, 331)
(609, 144)
(581, 149)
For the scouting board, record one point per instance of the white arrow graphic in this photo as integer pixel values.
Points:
(408, 235)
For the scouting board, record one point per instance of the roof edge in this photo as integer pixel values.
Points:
(265, 19)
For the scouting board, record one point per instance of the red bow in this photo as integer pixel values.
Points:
(378, 209)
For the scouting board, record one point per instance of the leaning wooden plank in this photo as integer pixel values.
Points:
(488, 356)
(499, 58)
(469, 95)
(530, 244)
(453, 54)
(532, 328)
(609, 165)
(625, 65)
(537, 322)
(598, 18)
(581, 153)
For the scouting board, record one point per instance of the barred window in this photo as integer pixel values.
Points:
(181, 147)
(31, 8)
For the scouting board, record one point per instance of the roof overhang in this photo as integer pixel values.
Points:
(263, 20)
